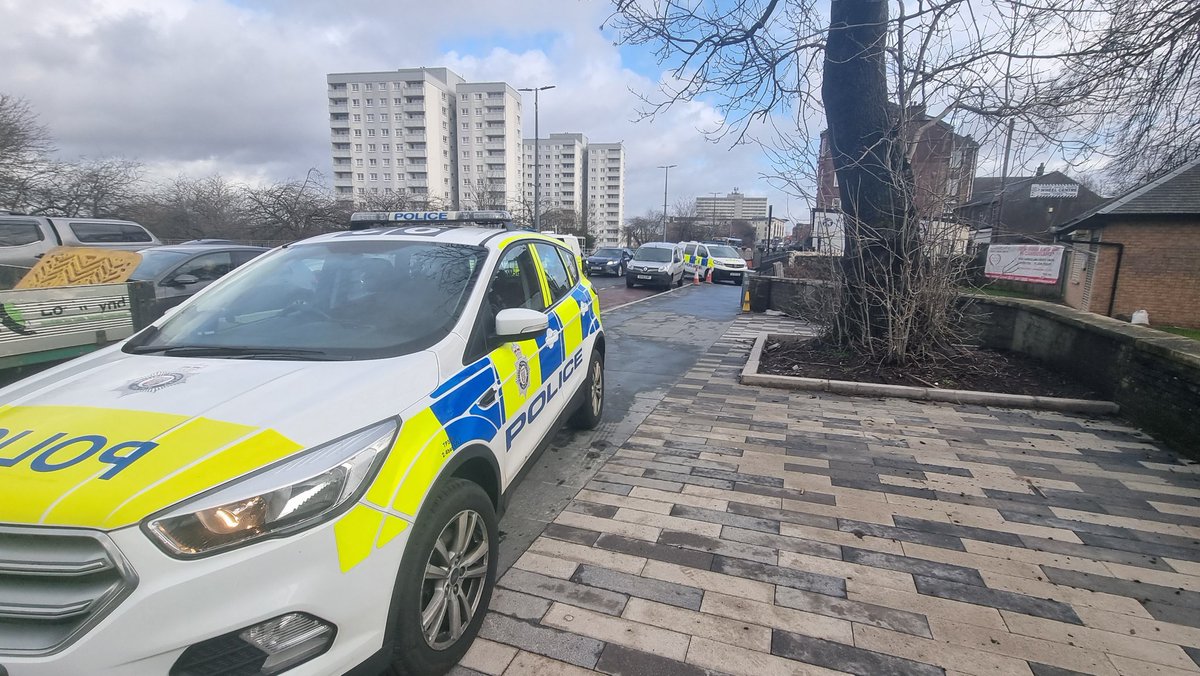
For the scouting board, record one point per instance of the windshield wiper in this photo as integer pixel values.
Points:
(224, 352)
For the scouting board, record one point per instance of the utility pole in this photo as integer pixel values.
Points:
(997, 227)
(770, 227)
(666, 172)
(537, 158)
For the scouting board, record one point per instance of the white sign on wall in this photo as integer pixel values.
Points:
(1024, 263)
(1054, 190)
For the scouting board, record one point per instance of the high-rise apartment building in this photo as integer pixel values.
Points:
(734, 206)
(587, 179)
(489, 146)
(426, 134)
(605, 205)
(425, 137)
(561, 170)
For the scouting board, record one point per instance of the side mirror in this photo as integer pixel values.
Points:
(516, 324)
(183, 280)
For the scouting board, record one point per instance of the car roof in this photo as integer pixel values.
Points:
(659, 245)
(488, 237)
(200, 248)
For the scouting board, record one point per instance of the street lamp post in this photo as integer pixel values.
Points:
(537, 157)
(666, 172)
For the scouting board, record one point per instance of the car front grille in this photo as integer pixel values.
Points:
(55, 584)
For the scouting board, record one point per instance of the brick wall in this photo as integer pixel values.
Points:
(1160, 271)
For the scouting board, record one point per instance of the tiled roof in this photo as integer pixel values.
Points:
(1176, 192)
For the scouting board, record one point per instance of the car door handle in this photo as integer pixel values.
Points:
(488, 398)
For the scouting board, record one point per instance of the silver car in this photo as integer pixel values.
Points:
(180, 271)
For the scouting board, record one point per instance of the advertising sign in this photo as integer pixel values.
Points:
(1054, 190)
(1024, 263)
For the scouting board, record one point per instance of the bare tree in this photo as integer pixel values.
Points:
(1136, 78)
(642, 229)
(195, 208)
(880, 73)
(100, 188)
(25, 146)
(295, 209)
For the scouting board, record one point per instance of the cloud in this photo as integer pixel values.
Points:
(190, 86)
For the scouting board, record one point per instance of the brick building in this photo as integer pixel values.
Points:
(943, 165)
(1028, 209)
(1140, 251)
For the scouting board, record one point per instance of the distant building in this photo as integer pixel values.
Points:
(427, 134)
(943, 165)
(1027, 210)
(733, 206)
(1139, 251)
(587, 179)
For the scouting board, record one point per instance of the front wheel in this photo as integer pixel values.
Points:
(587, 416)
(445, 579)
(628, 281)
(621, 271)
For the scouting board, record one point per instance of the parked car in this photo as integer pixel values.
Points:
(306, 476)
(179, 271)
(25, 239)
(656, 264)
(725, 262)
(609, 261)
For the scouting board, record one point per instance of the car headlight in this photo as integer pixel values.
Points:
(290, 496)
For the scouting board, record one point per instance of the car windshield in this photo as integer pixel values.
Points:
(326, 300)
(607, 253)
(723, 252)
(156, 262)
(654, 254)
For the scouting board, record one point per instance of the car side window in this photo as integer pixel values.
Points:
(556, 273)
(516, 283)
(702, 251)
(19, 233)
(206, 268)
(98, 233)
(240, 258)
(689, 249)
(568, 260)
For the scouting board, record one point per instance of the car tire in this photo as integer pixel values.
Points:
(629, 282)
(679, 282)
(454, 506)
(621, 271)
(591, 408)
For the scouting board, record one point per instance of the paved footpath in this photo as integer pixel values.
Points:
(755, 531)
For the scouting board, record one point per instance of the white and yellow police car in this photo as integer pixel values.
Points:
(299, 470)
(722, 260)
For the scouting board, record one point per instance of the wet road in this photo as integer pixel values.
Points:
(613, 292)
(650, 346)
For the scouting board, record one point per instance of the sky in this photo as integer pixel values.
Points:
(237, 87)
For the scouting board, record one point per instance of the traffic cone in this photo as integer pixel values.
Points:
(709, 277)
(696, 277)
(746, 299)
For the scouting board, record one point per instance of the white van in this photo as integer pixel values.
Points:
(724, 261)
(656, 264)
(571, 241)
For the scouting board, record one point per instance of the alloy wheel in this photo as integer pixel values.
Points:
(454, 579)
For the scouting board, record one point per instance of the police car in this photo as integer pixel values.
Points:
(300, 469)
(722, 260)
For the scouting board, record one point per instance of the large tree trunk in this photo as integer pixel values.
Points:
(875, 184)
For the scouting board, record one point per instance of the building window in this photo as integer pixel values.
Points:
(358, 132)
(387, 162)
(357, 117)
(371, 162)
(370, 132)
(360, 176)
(374, 177)
(387, 147)
(396, 102)
(383, 117)
(358, 162)
(387, 177)
(367, 86)
(354, 102)
(370, 102)
(354, 87)
(370, 147)
(358, 147)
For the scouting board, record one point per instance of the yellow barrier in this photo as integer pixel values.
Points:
(74, 266)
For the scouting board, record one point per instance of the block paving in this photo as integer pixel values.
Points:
(755, 531)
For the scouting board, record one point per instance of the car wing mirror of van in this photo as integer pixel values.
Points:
(183, 280)
(515, 324)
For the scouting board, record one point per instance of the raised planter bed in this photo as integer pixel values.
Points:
(752, 376)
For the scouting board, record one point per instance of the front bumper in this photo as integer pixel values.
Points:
(654, 277)
(608, 268)
(722, 274)
(180, 603)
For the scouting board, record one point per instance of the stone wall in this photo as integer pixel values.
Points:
(1154, 376)
(796, 297)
